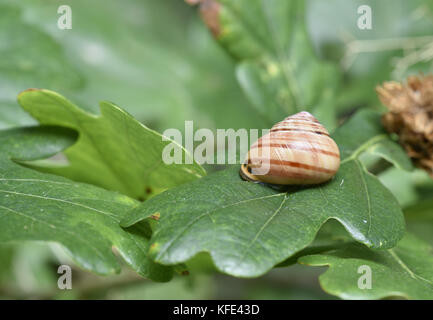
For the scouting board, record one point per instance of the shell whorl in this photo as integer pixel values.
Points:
(297, 150)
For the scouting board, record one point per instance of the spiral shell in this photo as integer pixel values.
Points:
(297, 150)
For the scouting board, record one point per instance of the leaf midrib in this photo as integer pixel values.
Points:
(365, 146)
(76, 237)
(406, 268)
(208, 213)
(109, 214)
(264, 227)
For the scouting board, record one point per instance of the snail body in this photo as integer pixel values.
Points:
(297, 150)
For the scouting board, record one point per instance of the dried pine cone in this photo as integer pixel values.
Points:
(410, 116)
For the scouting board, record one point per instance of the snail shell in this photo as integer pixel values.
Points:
(297, 150)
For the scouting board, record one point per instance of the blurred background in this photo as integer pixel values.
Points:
(157, 60)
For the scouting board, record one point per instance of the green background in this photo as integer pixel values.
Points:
(157, 60)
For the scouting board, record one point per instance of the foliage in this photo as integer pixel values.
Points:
(278, 69)
(83, 218)
(109, 151)
(403, 271)
(207, 215)
(92, 180)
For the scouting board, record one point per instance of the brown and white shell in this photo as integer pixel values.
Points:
(297, 150)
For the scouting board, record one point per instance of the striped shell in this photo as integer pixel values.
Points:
(297, 150)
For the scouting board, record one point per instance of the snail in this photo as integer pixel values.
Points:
(296, 151)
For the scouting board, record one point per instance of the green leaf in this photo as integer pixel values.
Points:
(393, 153)
(248, 228)
(278, 69)
(404, 271)
(114, 151)
(365, 133)
(82, 218)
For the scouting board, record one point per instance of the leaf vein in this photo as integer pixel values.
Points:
(64, 201)
(208, 213)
